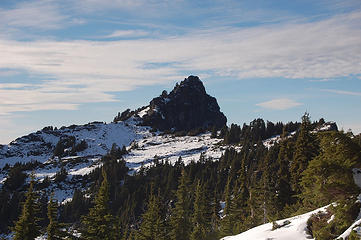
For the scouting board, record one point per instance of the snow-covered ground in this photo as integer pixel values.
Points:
(295, 230)
(169, 147)
(143, 147)
(99, 137)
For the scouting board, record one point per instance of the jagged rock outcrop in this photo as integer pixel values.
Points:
(186, 107)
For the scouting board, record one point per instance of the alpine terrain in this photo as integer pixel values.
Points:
(175, 170)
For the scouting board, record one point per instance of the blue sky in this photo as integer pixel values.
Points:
(65, 62)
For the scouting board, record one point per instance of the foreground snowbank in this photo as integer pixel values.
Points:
(295, 230)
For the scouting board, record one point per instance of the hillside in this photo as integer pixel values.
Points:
(297, 227)
(173, 168)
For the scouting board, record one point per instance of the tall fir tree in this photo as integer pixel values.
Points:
(329, 176)
(180, 221)
(99, 223)
(152, 226)
(53, 227)
(27, 228)
(305, 150)
(283, 186)
(227, 221)
(201, 219)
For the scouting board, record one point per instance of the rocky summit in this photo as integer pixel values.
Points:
(186, 107)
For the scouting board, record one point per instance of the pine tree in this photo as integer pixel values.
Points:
(53, 227)
(27, 228)
(329, 176)
(180, 221)
(305, 150)
(201, 219)
(227, 221)
(239, 209)
(269, 186)
(99, 223)
(283, 187)
(215, 219)
(152, 226)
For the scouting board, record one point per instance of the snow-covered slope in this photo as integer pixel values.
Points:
(296, 229)
(169, 147)
(143, 148)
(39, 146)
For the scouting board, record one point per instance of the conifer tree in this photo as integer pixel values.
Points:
(269, 180)
(99, 223)
(152, 226)
(305, 150)
(215, 219)
(27, 228)
(329, 176)
(180, 221)
(283, 186)
(239, 209)
(201, 219)
(227, 221)
(53, 227)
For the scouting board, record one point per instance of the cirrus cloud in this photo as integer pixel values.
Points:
(75, 72)
(279, 104)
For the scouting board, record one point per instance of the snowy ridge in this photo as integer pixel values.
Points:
(143, 148)
(39, 146)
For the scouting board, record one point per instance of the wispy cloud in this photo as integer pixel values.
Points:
(127, 34)
(39, 14)
(322, 80)
(90, 71)
(342, 92)
(279, 104)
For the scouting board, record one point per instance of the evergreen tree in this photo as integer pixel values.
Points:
(152, 226)
(227, 221)
(305, 150)
(269, 180)
(180, 221)
(283, 187)
(27, 228)
(53, 227)
(329, 176)
(99, 223)
(214, 132)
(201, 219)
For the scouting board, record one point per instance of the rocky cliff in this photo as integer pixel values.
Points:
(186, 107)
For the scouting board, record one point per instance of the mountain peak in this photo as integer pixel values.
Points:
(191, 83)
(186, 107)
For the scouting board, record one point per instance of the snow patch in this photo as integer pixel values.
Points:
(296, 230)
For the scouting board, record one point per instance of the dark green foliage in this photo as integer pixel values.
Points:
(64, 143)
(344, 213)
(27, 228)
(233, 134)
(15, 179)
(329, 175)
(305, 150)
(254, 181)
(180, 221)
(201, 219)
(214, 133)
(61, 175)
(53, 226)
(283, 185)
(79, 147)
(153, 225)
(99, 223)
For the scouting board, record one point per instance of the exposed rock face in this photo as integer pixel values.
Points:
(186, 107)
